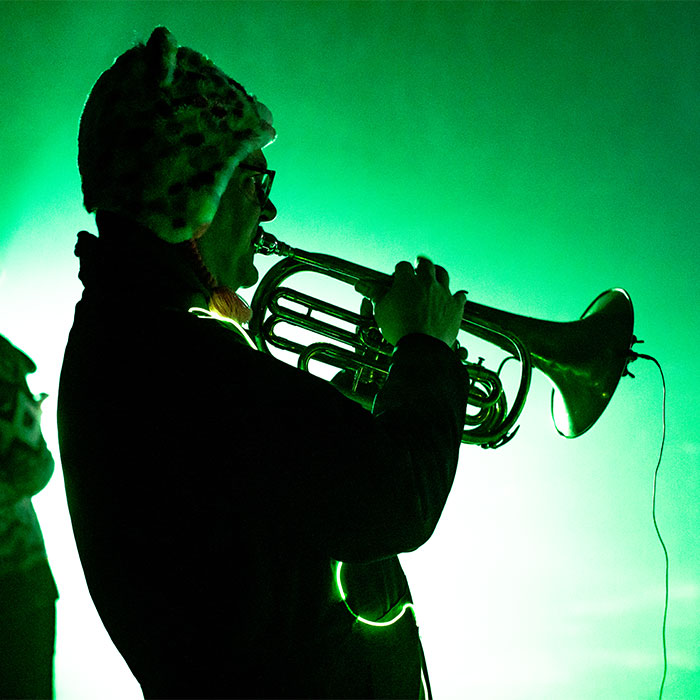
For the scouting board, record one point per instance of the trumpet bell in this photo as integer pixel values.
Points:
(583, 359)
(591, 359)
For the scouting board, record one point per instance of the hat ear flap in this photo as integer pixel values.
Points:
(161, 52)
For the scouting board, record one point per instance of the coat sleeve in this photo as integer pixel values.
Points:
(365, 486)
(409, 460)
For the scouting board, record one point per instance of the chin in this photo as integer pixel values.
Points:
(250, 278)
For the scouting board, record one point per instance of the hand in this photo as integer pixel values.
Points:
(419, 301)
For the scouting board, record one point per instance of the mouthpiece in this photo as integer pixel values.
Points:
(267, 244)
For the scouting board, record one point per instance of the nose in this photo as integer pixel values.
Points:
(268, 212)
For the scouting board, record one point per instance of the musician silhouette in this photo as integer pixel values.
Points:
(237, 519)
(27, 589)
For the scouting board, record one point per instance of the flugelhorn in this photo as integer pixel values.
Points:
(584, 359)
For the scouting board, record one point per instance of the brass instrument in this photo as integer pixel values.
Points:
(584, 359)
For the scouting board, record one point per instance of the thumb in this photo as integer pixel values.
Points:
(370, 290)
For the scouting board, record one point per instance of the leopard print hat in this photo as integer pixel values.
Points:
(162, 131)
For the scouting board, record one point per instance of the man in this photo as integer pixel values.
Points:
(213, 489)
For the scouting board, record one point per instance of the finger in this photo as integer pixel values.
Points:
(425, 268)
(442, 276)
(366, 308)
(403, 270)
(460, 296)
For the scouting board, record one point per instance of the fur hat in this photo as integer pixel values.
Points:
(161, 134)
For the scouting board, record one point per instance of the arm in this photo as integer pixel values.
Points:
(392, 476)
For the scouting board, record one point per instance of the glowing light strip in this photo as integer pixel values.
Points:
(205, 313)
(359, 618)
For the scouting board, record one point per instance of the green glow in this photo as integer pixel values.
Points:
(359, 618)
(541, 151)
(373, 623)
(206, 313)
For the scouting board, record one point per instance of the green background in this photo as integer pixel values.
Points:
(542, 152)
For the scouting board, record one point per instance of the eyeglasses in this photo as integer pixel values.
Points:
(263, 184)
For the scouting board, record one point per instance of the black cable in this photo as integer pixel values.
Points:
(653, 515)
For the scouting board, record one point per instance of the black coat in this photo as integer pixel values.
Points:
(213, 488)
